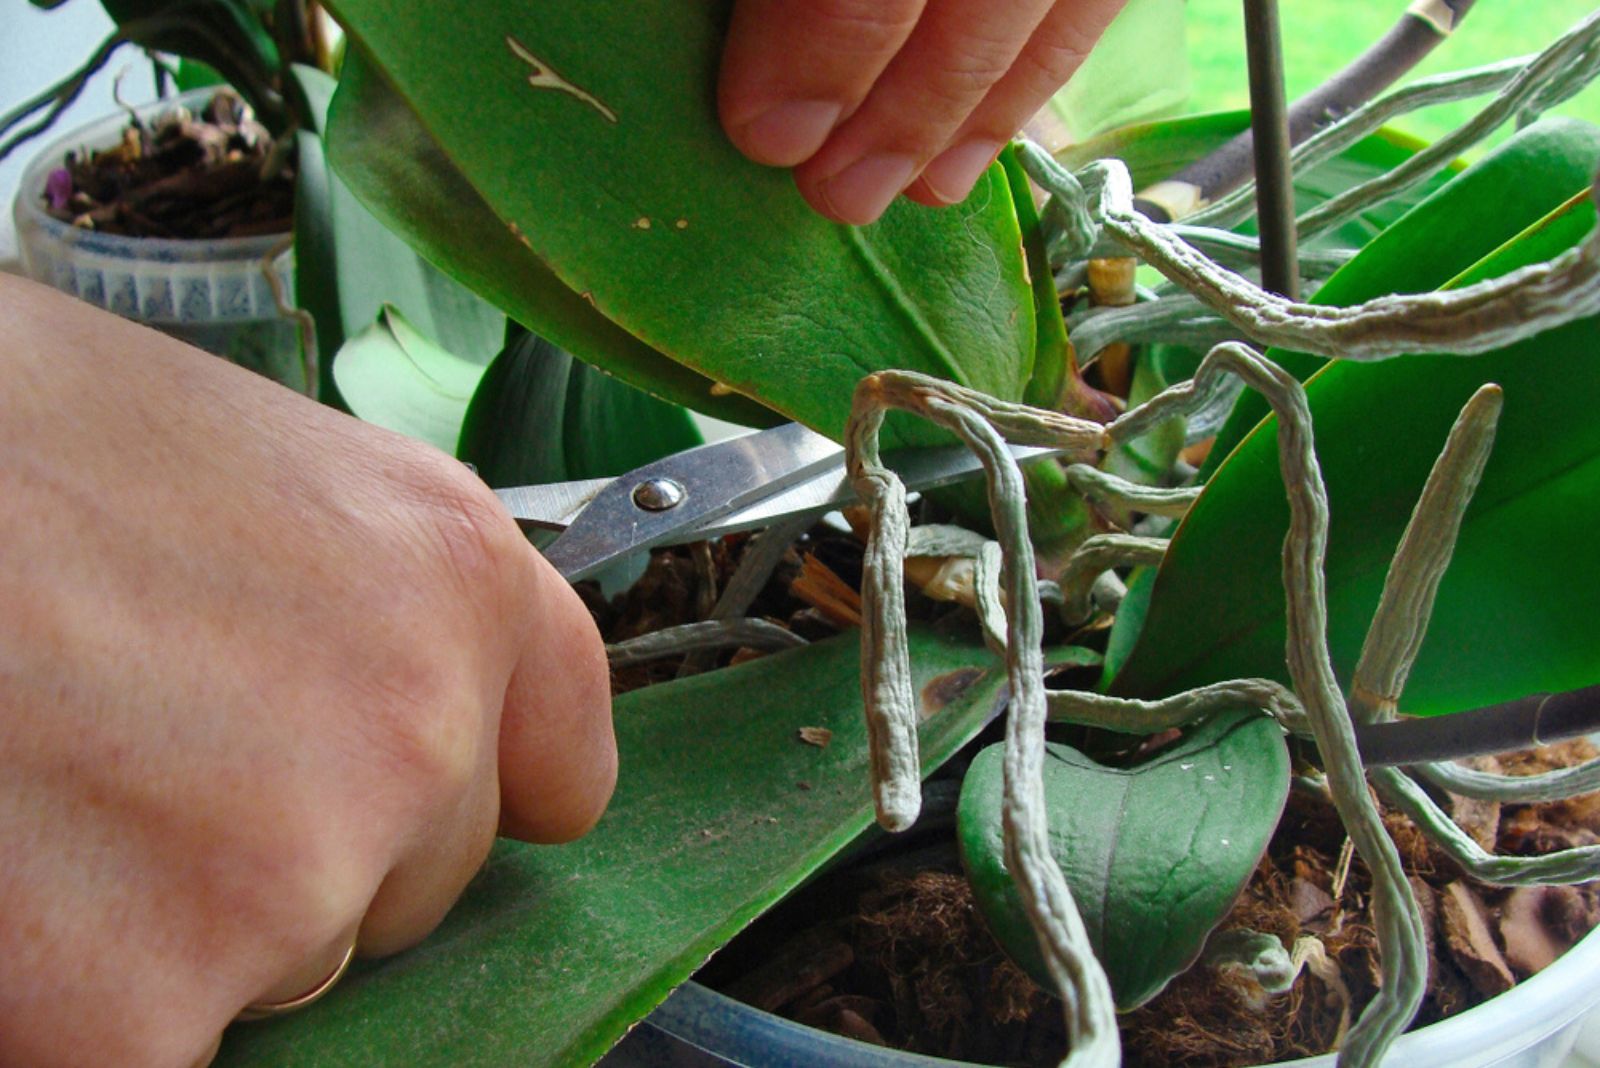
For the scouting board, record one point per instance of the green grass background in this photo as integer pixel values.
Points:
(1320, 36)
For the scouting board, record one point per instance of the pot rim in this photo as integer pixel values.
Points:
(101, 133)
(1520, 1019)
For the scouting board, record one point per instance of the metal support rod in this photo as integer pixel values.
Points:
(1269, 123)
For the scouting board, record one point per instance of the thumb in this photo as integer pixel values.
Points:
(558, 755)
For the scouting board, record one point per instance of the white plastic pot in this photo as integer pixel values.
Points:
(1534, 1025)
(213, 293)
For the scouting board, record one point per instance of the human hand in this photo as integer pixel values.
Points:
(870, 98)
(269, 676)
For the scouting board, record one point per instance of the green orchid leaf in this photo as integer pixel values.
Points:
(1155, 854)
(1514, 613)
(1139, 70)
(392, 376)
(1053, 366)
(1057, 517)
(591, 131)
(720, 810)
(541, 416)
(379, 146)
(1128, 623)
(1479, 210)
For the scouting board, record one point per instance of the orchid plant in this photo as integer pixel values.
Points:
(1424, 475)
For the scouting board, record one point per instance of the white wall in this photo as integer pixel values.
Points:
(37, 49)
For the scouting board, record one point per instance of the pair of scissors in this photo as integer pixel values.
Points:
(740, 483)
(789, 472)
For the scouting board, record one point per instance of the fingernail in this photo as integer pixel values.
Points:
(859, 193)
(954, 172)
(789, 133)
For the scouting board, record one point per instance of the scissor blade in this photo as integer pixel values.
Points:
(654, 504)
(919, 469)
(815, 483)
(554, 505)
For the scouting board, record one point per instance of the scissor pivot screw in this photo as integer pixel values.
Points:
(658, 494)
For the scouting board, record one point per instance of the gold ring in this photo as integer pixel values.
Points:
(265, 1010)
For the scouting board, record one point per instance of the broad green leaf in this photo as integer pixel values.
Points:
(1128, 623)
(1138, 71)
(541, 416)
(591, 130)
(1514, 613)
(1478, 211)
(720, 810)
(392, 376)
(396, 168)
(1155, 854)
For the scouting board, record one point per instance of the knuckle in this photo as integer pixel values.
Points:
(465, 529)
(861, 25)
(965, 60)
(425, 733)
(959, 84)
(1058, 51)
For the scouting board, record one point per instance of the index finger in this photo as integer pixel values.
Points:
(792, 70)
(558, 754)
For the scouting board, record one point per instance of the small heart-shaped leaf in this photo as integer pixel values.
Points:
(1155, 854)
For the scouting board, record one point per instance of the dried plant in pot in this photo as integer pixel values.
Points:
(226, 294)
(1410, 401)
(180, 213)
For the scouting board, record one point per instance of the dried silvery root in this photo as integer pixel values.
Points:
(1096, 206)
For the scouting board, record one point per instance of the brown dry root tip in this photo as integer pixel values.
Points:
(304, 323)
(1312, 956)
(1111, 280)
